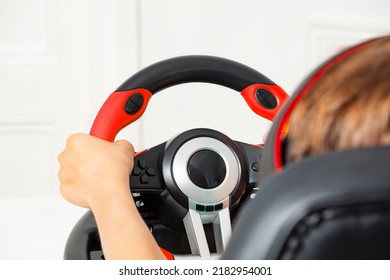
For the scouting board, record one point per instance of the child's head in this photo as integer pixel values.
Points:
(349, 107)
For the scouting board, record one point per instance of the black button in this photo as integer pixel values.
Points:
(218, 206)
(209, 208)
(136, 171)
(199, 207)
(134, 103)
(266, 98)
(255, 166)
(150, 171)
(131, 108)
(145, 179)
(142, 163)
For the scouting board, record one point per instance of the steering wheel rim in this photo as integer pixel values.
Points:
(129, 102)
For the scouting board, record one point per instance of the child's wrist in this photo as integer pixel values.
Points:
(108, 196)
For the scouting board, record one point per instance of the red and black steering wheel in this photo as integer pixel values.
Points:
(189, 188)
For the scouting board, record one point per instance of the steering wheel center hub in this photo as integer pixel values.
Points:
(206, 169)
(202, 169)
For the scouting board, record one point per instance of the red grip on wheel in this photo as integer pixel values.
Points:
(167, 254)
(251, 96)
(112, 116)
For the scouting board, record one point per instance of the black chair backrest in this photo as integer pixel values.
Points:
(333, 206)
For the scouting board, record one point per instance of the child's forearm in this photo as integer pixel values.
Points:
(123, 233)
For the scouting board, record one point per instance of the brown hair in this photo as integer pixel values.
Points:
(349, 107)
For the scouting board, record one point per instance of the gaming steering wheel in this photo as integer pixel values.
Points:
(189, 188)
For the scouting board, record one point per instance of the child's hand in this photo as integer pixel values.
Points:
(92, 169)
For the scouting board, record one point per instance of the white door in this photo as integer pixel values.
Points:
(58, 62)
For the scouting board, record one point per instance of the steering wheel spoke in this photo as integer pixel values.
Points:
(194, 225)
(196, 234)
(252, 155)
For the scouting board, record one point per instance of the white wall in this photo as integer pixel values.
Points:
(60, 59)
